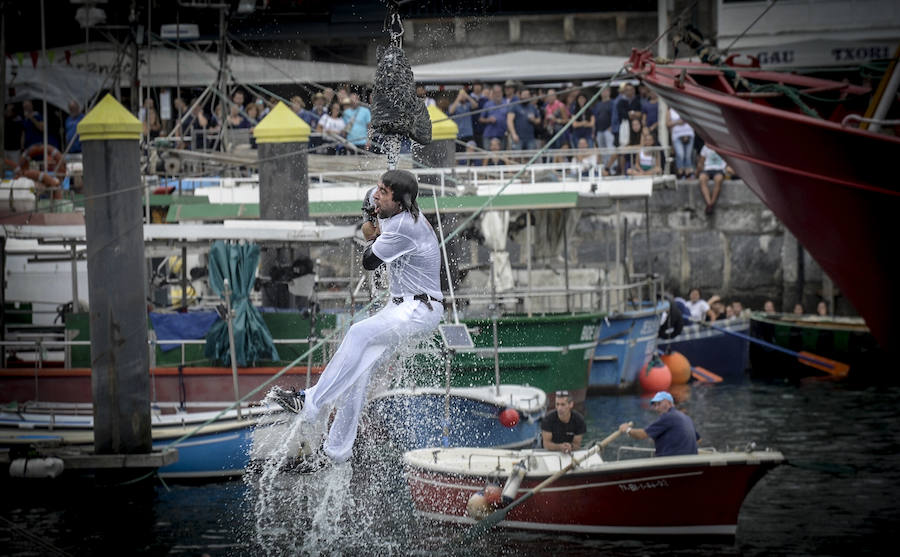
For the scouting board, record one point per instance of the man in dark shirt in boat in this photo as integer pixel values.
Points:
(673, 432)
(563, 429)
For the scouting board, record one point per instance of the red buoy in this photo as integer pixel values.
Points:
(509, 417)
(655, 376)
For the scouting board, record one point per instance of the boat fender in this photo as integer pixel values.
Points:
(477, 506)
(511, 488)
(509, 417)
(50, 467)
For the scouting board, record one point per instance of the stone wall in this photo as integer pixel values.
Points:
(604, 33)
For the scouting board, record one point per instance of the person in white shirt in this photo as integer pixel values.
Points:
(403, 240)
(696, 305)
(711, 165)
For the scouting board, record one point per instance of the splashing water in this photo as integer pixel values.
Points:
(392, 149)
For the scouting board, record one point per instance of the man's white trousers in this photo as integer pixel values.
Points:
(367, 345)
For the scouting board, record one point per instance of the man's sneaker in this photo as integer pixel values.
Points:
(311, 463)
(290, 400)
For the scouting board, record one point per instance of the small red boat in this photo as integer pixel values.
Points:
(795, 142)
(665, 496)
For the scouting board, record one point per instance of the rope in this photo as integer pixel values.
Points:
(789, 92)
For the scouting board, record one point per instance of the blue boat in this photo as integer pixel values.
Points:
(728, 356)
(625, 342)
(220, 449)
(413, 418)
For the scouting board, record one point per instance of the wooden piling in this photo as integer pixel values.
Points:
(117, 282)
(282, 139)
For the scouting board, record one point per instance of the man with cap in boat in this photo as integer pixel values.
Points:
(402, 239)
(673, 432)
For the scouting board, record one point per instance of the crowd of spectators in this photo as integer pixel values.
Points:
(498, 117)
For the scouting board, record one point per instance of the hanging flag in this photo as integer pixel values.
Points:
(51, 55)
(20, 56)
(68, 55)
(34, 58)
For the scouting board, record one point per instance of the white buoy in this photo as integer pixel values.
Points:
(50, 467)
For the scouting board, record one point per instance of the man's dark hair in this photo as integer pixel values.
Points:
(405, 189)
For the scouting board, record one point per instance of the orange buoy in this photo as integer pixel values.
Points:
(655, 376)
(679, 366)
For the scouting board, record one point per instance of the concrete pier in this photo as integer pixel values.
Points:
(282, 138)
(120, 379)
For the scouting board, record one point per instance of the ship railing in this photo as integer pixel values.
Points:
(41, 348)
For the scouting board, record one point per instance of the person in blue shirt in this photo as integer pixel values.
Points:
(460, 112)
(521, 120)
(75, 116)
(494, 117)
(357, 118)
(673, 433)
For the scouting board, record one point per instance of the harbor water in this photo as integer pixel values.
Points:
(837, 496)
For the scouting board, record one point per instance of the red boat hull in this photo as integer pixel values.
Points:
(832, 186)
(650, 496)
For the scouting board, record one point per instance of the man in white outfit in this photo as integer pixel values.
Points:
(404, 240)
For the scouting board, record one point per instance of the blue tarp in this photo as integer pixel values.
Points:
(191, 325)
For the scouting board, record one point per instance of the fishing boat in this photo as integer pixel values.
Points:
(665, 496)
(798, 144)
(728, 356)
(627, 340)
(218, 449)
(843, 339)
(501, 416)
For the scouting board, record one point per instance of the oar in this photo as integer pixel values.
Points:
(489, 521)
(835, 368)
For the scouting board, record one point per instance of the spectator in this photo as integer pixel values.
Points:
(509, 92)
(521, 120)
(150, 119)
(471, 148)
(253, 114)
(33, 125)
(710, 164)
(603, 112)
(328, 96)
(238, 98)
(628, 107)
(769, 306)
(717, 310)
(682, 143)
(331, 126)
(737, 308)
(299, 107)
(460, 110)
(422, 94)
(586, 161)
(496, 159)
(555, 117)
(481, 98)
(673, 433)
(647, 162)
(798, 309)
(235, 119)
(494, 117)
(822, 309)
(650, 108)
(583, 126)
(12, 140)
(698, 306)
(563, 429)
(197, 124)
(318, 106)
(73, 143)
(358, 119)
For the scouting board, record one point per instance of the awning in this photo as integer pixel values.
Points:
(168, 67)
(62, 83)
(523, 65)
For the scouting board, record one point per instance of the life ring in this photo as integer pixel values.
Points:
(57, 163)
(48, 180)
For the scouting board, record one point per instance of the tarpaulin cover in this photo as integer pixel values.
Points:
(191, 325)
(252, 339)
